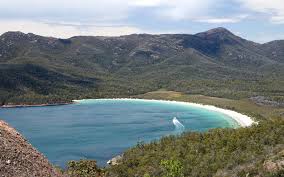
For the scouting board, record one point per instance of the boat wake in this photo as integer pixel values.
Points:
(178, 126)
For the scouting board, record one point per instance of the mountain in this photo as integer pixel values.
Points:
(36, 69)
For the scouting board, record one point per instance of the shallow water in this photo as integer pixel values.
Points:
(101, 129)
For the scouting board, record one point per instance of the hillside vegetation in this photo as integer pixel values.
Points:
(36, 69)
(257, 151)
(254, 151)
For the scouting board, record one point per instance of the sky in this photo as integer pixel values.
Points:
(257, 20)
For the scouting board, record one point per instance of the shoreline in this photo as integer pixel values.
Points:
(241, 119)
(33, 105)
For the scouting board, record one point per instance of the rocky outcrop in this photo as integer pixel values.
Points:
(18, 158)
(116, 160)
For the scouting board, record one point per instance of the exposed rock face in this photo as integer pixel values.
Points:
(18, 158)
(116, 160)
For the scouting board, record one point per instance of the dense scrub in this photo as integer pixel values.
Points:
(83, 168)
(219, 152)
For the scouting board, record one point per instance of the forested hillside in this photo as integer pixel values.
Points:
(36, 69)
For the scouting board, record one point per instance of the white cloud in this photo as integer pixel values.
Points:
(277, 19)
(104, 10)
(65, 18)
(65, 30)
(274, 8)
(184, 9)
(219, 20)
(84, 10)
(145, 3)
(235, 19)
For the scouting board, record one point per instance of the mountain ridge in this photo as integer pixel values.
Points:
(134, 64)
(213, 30)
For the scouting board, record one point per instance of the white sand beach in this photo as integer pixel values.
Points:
(241, 119)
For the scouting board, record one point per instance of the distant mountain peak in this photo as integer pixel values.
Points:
(20, 36)
(215, 31)
(13, 33)
(16, 35)
(218, 30)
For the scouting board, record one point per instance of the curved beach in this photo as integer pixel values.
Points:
(241, 119)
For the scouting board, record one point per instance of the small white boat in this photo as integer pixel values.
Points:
(177, 124)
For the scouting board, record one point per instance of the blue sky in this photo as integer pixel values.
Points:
(257, 20)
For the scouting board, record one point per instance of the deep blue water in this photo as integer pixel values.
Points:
(102, 129)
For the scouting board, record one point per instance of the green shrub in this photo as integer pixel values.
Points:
(172, 168)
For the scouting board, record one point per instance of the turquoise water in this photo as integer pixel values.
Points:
(101, 129)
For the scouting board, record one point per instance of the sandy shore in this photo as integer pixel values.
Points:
(241, 119)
